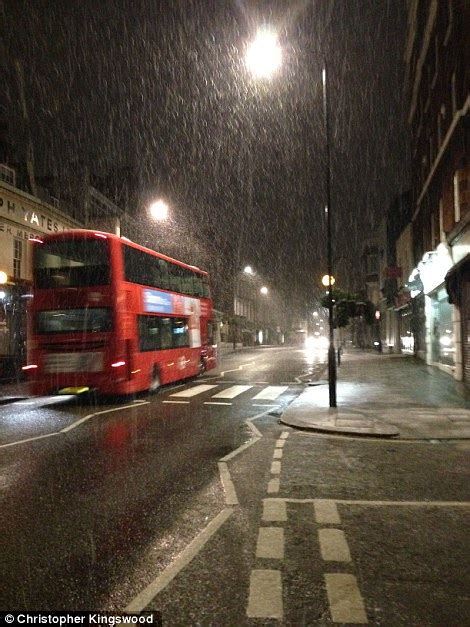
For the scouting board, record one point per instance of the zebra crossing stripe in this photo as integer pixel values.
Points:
(271, 392)
(233, 391)
(197, 389)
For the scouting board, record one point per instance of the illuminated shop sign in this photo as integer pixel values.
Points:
(25, 213)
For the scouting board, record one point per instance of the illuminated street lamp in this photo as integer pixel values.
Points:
(326, 280)
(264, 290)
(159, 210)
(248, 270)
(3, 277)
(263, 56)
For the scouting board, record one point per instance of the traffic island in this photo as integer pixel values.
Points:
(340, 422)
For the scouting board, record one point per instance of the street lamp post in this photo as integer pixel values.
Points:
(263, 58)
(331, 347)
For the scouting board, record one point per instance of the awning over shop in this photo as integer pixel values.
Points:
(454, 278)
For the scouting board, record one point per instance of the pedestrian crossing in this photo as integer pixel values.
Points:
(220, 396)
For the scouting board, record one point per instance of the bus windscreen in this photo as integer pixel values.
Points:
(71, 263)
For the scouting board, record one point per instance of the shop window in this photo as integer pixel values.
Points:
(442, 333)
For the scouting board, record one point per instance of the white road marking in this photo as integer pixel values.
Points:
(271, 392)
(72, 426)
(270, 543)
(193, 391)
(280, 443)
(37, 437)
(227, 483)
(333, 545)
(383, 503)
(25, 402)
(344, 597)
(143, 598)
(233, 391)
(99, 413)
(264, 405)
(326, 512)
(273, 486)
(265, 600)
(177, 402)
(284, 435)
(277, 453)
(276, 468)
(274, 510)
(215, 403)
(241, 448)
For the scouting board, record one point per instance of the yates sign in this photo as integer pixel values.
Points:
(24, 213)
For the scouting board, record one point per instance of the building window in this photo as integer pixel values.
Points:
(456, 198)
(17, 257)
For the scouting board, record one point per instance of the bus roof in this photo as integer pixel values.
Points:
(89, 233)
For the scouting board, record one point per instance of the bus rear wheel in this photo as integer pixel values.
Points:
(155, 382)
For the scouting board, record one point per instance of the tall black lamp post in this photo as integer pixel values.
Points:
(263, 58)
(331, 347)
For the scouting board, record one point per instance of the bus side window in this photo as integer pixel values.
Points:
(166, 333)
(149, 333)
(176, 278)
(210, 332)
(163, 278)
(198, 289)
(205, 287)
(180, 332)
(187, 283)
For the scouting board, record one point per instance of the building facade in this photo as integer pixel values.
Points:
(437, 92)
(22, 217)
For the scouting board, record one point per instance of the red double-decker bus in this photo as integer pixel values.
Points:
(115, 317)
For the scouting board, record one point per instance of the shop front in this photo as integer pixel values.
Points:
(22, 217)
(440, 317)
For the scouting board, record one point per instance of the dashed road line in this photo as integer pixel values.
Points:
(270, 543)
(177, 402)
(280, 443)
(277, 453)
(274, 510)
(276, 468)
(145, 597)
(284, 435)
(326, 512)
(345, 600)
(273, 486)
(333, 545)
(265, 598)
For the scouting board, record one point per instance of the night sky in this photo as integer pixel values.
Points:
(160, 88)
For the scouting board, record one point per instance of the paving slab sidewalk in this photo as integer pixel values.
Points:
(385, 396)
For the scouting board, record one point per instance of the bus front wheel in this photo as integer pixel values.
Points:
(154, 381)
